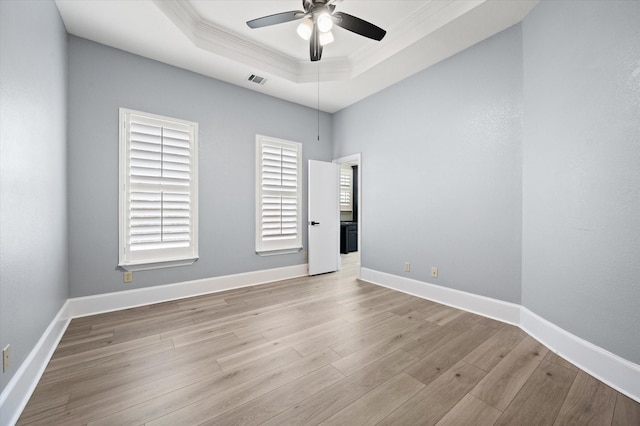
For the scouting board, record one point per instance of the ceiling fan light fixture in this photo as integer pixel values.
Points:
(326, 38)
(318, 19)
(305, 29)
(324, 22)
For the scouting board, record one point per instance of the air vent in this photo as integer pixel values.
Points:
(257, 79)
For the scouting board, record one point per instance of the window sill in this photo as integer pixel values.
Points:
(278, 252)
(156, 265)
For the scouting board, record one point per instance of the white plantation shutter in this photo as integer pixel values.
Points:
(158, 201)
(345, 189)
(278, 193)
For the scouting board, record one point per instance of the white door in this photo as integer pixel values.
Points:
(324, 217)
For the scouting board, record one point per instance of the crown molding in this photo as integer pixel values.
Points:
(212, 38)
(421, 24)
(207, 36)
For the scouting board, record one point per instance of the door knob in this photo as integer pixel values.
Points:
(314, 223)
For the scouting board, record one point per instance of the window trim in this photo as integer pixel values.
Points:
(157, 258)
(268, 248)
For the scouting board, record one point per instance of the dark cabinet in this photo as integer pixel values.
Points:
(348, 237)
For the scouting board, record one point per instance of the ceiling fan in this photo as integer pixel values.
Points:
(318, 19)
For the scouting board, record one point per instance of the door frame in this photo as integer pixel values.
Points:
(355, 158)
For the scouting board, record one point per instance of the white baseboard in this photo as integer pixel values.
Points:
(619, 373)
(485, 306)
(17, 393)
(91, 305)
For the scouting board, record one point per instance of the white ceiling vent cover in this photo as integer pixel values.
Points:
(257, 79)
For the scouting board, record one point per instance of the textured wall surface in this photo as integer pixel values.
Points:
(33, 186)
(581, 150)
(103, 79)
(441, 166)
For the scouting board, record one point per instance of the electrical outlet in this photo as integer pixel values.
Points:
(127, 276)
(5, 358)
(407, 267)
(434, 272)
(305, 255)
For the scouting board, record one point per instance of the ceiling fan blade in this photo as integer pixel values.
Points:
(315, 48)
(278, 18)
(358, 26)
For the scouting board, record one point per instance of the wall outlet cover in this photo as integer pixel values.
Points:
(5, 358)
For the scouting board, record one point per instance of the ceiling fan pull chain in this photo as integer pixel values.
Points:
(318, 101)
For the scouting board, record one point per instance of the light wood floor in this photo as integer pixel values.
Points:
(320, 350)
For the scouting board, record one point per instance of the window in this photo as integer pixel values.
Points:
(278, 195)
(346, 192)
(158, 191)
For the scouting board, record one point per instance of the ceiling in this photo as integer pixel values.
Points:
(211, 37)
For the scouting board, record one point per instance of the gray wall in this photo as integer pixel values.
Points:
(581, 150)
(33, 185)
(441, 165)
(515, 168)
(101, 80)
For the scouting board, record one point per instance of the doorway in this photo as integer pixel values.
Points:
(351, 212)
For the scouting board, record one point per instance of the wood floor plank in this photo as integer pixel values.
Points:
(178, 398)
(436, 399)
(326, 403)
(374, 334)
(541, 397)
(491, 352)
(204, 409)
(501, 385)
(256, 323)
(428, 343)
(444, 357)
(296, 326)
(231, 341)
(338, 335)
(445, 316)
(375, 405)
(43, 406)
(269, 405)
(369, 354)
(123, 397)
(383, 300)
(41, 418)
(361, 297)
(552, 357)
(357, 314)
(627, 411)
(132, 317)
(99, 366)
(81, 339)
(471, 411)
(113, 374)
(102, 352)
(589, 402)
(242, 357)
(97, 389)
(414, 305)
